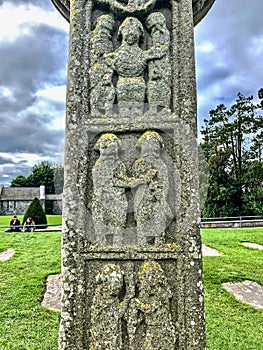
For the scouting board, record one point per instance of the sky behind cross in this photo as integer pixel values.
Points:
(33, 73)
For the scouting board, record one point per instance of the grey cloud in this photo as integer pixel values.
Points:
(39, 3)
(233, 65)
(33, 60)
(31, 136)
(12, 172)
(4, 160)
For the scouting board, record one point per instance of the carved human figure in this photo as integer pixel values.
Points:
(152, 309)
(109, 203)
(159, 85)
(108, 309)
(102, 89)
(151, 208)
(130, 61)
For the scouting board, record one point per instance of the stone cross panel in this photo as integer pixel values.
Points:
(132, 271)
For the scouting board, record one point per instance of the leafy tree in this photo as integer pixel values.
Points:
(232, 147)
(19, 181)
(37, 213)
(42, 174)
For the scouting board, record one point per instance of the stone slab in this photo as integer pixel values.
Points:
(6, 254)
(207, 251)
(52, 296)
(248, 292)
(252, 245)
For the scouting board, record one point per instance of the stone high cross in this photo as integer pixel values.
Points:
(132, 267)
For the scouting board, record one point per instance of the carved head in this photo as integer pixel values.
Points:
(104, 23)
(154, 19)
(131, 30)
(150, 143)
(106, 141)
(110, 279)
(152, 279)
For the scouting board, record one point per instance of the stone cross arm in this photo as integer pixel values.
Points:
(200, 8)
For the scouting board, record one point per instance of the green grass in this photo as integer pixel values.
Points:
(51, 220)
(232, 325)
(25, 324)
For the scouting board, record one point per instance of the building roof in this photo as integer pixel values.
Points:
(19, 193)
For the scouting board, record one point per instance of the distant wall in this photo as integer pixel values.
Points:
(15, 200)
(232, 224)
(12, 207)
(53, 206)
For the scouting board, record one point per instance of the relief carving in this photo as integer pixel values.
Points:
(122, 307)
(109, 203)
(152, 310)
(149, 185)
(151, 208)
(130, 62)
(160, 75)
(102, 89)
(108, 309)
(129, 6)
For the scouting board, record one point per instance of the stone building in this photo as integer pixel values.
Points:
(15, 200)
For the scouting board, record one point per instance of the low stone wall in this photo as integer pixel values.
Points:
(53, 206)
(11, 207)
(19, 207)
(232, 224)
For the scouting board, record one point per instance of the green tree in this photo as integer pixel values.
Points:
(230, 145)
(19, 181)
(37, 213)
(42, 174)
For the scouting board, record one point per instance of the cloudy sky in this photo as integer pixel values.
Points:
(33, 51)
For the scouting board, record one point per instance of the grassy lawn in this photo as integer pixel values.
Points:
(232, 325)
(51, 220)
(25, 324)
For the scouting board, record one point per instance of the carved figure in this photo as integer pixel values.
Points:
(159, 85)
(152, 308)
(151, 208)
(109, 203)
(102, 89)
(130, 61)
(107, 309)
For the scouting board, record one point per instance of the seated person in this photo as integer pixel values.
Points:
(14, 225)
(29, 225)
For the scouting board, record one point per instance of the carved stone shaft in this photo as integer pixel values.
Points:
(132, 267)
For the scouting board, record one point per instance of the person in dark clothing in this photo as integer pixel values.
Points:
(14, 225)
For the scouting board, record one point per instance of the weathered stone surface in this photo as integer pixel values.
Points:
(207, 251)
(247, 291)
(6, 254)
(252, 245)
(52, 296)
(131, 240)
(200, 7)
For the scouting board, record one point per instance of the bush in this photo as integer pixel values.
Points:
(37, 213)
